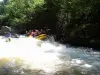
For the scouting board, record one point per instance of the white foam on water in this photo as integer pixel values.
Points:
(32, 51)
(43, 55)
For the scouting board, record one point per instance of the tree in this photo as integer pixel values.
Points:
(18, 11)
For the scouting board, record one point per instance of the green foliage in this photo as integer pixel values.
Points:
(77, 18)
(17, 11)
(74, 18)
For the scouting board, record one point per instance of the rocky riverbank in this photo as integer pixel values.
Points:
(80, 42)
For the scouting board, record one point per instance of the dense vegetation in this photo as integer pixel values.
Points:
(74, 21)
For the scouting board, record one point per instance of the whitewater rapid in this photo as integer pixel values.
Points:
(29, 56)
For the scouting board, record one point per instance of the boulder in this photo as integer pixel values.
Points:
(5, 29)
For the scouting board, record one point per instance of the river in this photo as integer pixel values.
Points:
(29, 56)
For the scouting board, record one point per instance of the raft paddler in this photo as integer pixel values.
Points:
(28, 33)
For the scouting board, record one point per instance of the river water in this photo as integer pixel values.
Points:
(29, 56)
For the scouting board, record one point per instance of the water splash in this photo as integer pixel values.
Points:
(31, 56)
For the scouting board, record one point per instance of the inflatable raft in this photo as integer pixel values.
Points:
(41, 37)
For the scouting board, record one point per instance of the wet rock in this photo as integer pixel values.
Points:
(5, 29)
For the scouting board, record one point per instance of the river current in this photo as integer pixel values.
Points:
(29, 56)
